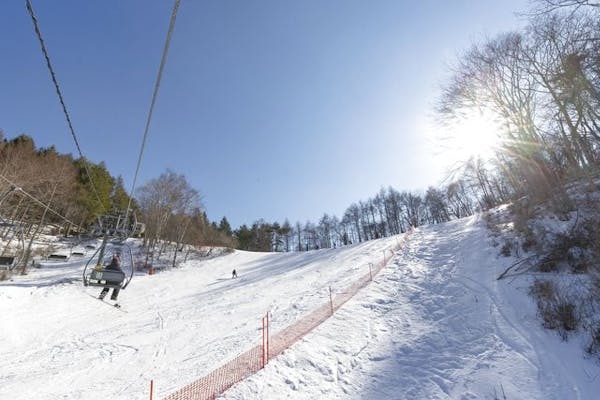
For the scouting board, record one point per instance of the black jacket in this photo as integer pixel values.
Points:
(114, 265)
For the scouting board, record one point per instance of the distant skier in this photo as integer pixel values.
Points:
(115, 265)
(233, 274)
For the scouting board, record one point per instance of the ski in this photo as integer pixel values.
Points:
(115, 305)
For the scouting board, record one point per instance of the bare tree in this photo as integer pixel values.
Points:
(166, 200)
(437, 206)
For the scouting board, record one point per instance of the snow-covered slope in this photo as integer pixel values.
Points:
(58, 341)
(434, 324)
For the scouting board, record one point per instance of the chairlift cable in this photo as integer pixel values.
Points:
(20, 190)
(61, 98)
(163, 61)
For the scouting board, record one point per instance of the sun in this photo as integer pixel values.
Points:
(477, 135)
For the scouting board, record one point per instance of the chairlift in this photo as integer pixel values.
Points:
(11, 255)
(7, 262)
(98, 275)
(58, 257)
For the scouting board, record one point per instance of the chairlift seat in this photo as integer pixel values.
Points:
(6, 262)
(106, 278)
(100, 273)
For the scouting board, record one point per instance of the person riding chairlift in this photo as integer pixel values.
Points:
(115, 265)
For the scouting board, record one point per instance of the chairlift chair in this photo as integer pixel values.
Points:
(7, 262)
(99, 275)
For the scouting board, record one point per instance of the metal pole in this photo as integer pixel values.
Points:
(263, 343)
(102, 248)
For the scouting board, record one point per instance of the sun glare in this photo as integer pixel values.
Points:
(475, 136)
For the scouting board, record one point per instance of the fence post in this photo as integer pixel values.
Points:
(263, 342)
(371, 270)
(267, 337)
(330, 300)
(151, 388)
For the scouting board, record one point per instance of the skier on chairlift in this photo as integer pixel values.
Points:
(115, 265)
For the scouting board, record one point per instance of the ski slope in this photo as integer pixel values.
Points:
(178, 325)
(434, 324)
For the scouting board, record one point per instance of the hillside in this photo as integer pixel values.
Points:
(435, 323)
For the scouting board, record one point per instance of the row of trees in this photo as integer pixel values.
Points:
(172, 212)
(389, 212)
(40, 187)
(59, 181)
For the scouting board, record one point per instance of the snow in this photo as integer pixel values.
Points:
(434, 324)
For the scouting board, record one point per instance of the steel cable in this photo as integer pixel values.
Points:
(153, 102)
(61, 98)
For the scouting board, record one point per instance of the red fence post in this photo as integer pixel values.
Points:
(263, 343)
(267, 337)
(151, 388)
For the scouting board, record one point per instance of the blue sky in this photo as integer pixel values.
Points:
(271, 109)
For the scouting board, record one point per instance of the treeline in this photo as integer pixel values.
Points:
(57, 180)
(390, 212)
(172, 213)
(42, 187)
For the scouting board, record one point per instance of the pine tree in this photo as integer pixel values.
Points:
(225, 227)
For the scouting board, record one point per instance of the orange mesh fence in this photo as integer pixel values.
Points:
(219, 380)
(249, 362)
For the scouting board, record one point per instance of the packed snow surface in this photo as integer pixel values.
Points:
(434, 324)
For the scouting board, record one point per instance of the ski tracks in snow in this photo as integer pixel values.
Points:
(430, 326)
(464, 342)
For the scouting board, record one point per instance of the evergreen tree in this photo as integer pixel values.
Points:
(244, 237)
(119, 197)
(95, 195)
(225, 227)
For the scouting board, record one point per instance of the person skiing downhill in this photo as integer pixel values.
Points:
(234, 274)
(115, 265)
